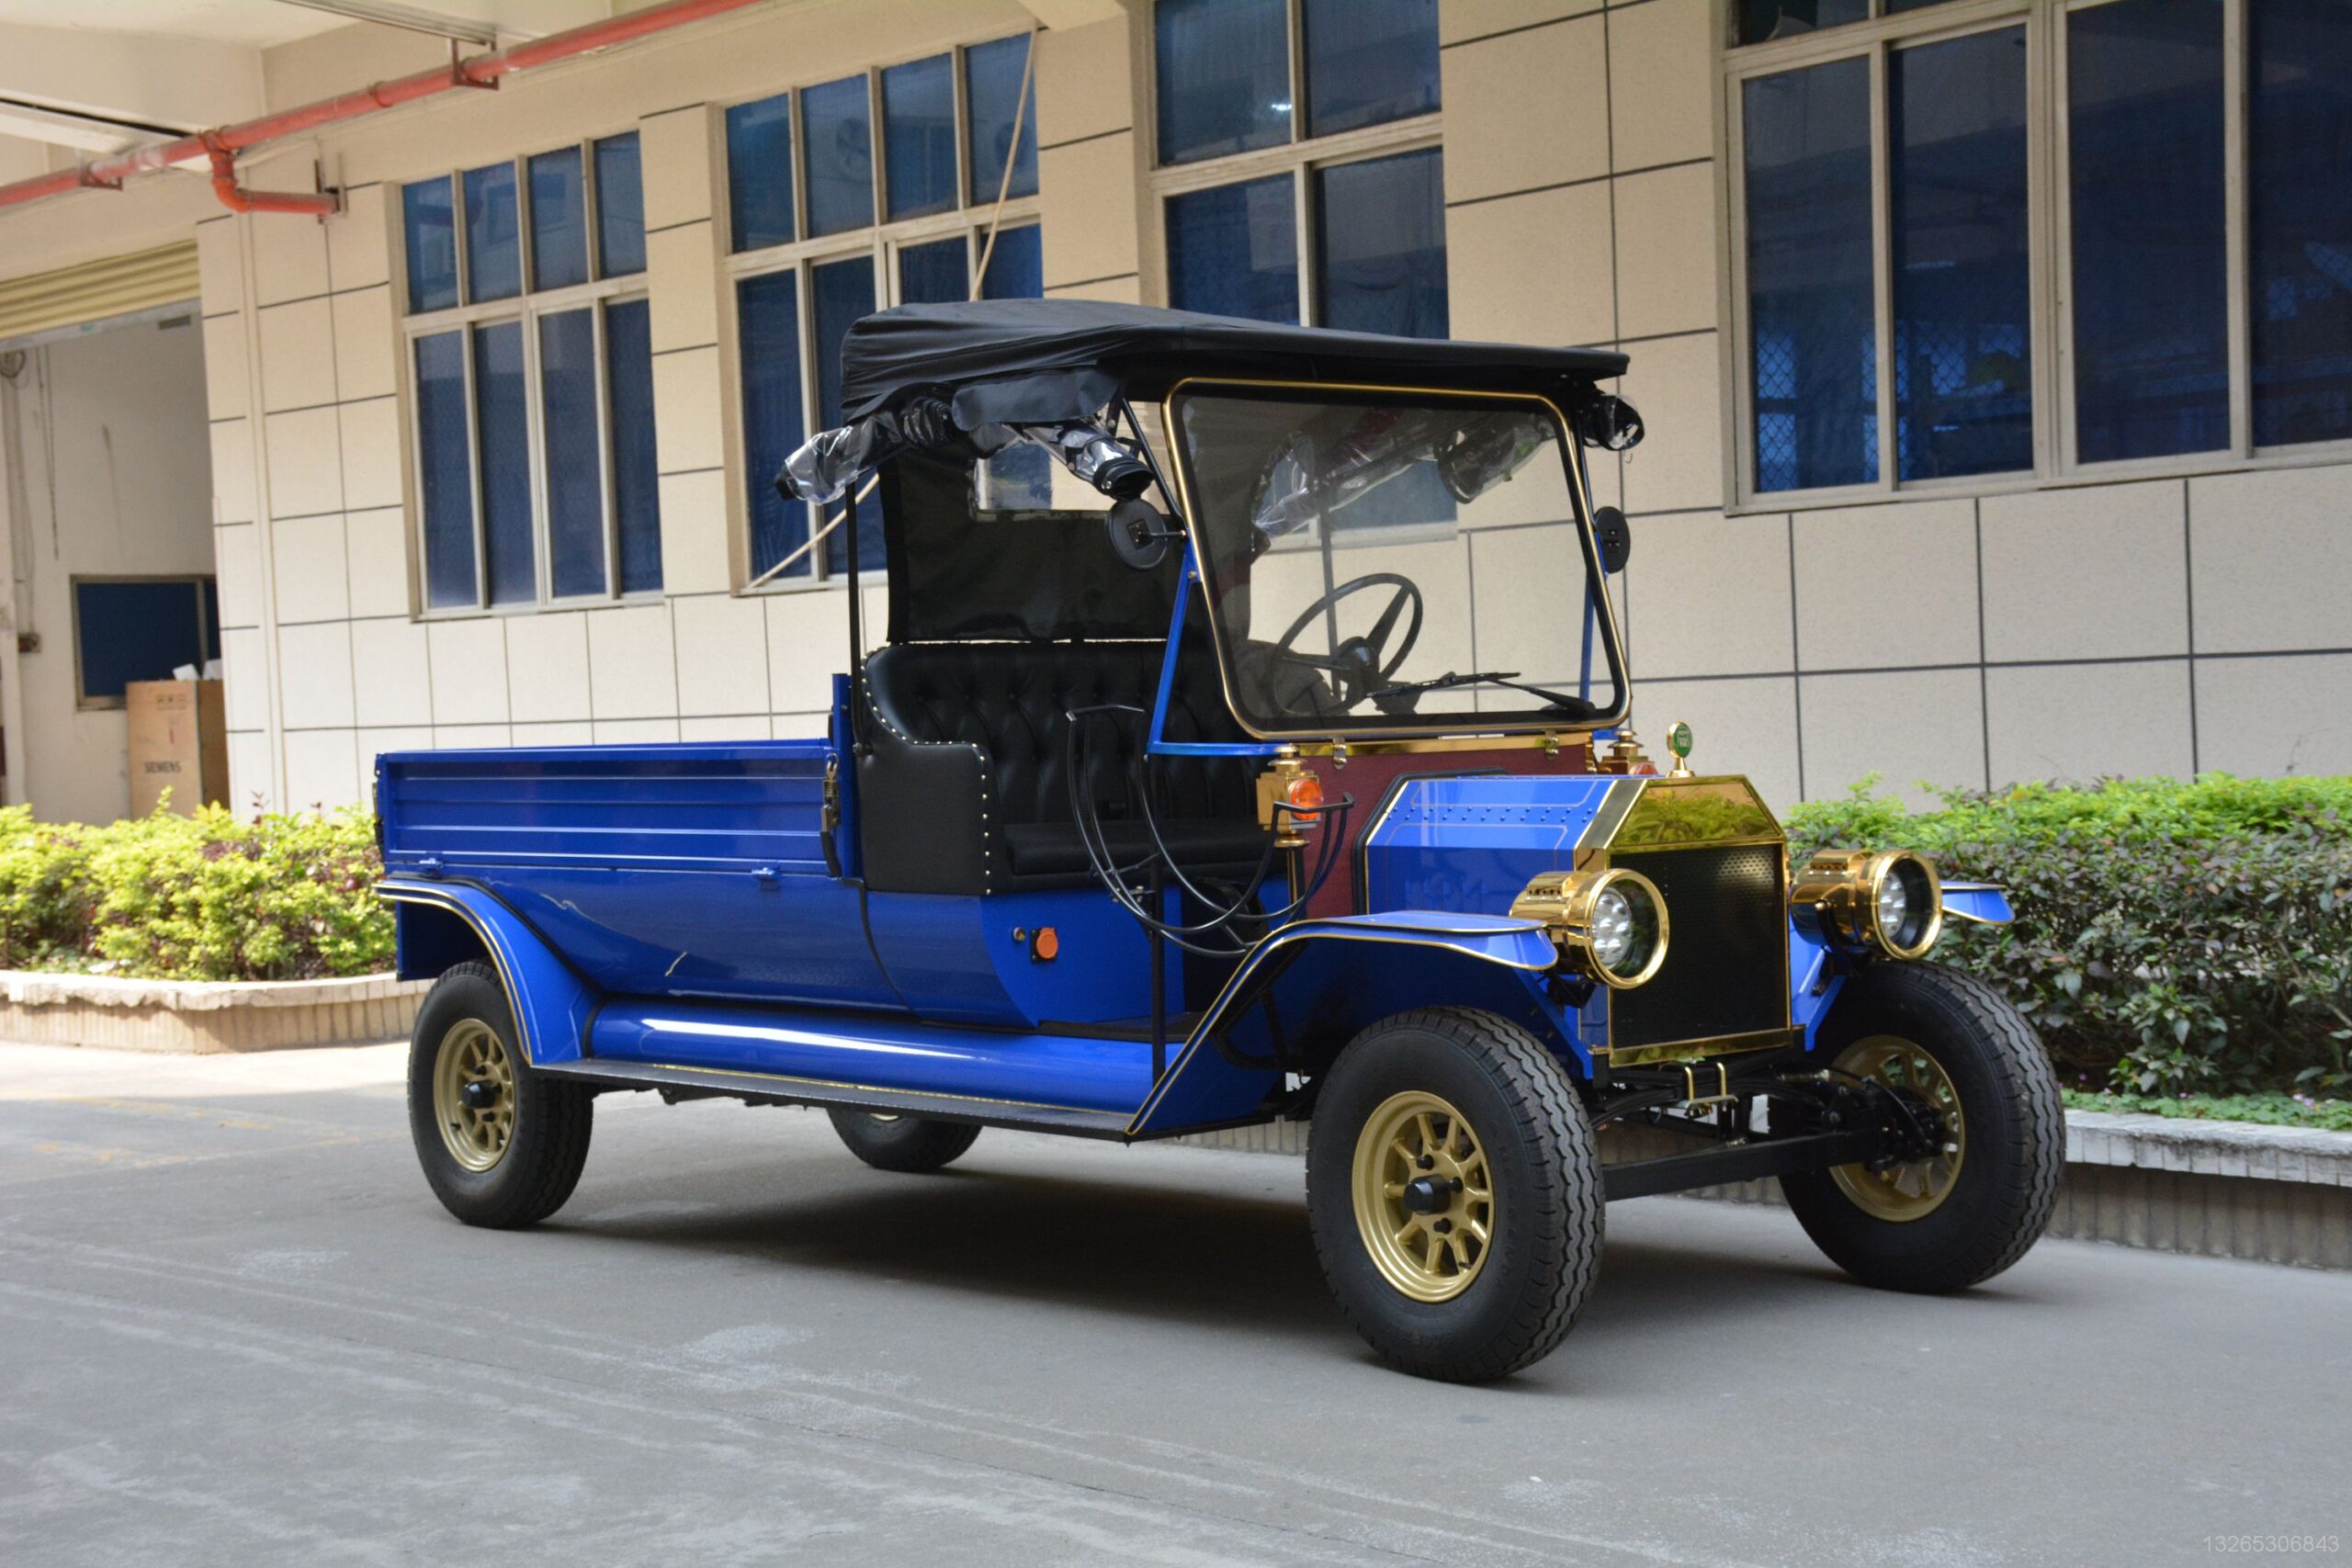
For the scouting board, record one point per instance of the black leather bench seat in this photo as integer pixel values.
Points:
(965, 786)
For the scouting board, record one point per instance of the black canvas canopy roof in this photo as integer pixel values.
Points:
(1007, 361)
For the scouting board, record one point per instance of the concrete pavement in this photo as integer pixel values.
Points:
(236, 1329)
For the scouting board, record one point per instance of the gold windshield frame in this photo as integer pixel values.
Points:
(1523, 731)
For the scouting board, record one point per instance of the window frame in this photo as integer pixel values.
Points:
(879, 243)
(598, 295)
(207, 585)
(2050, 223)
(1300, 158)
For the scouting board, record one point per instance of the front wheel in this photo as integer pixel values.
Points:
(1453, 1190)
(1983, 1191)
(501, 1145)
(913, 1144)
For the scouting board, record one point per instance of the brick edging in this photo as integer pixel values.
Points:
(203, 1017)
(2214, 1188)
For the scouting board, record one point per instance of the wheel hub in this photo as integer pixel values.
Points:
(1424, 1197)
(1927, 1133)
(474, 1094)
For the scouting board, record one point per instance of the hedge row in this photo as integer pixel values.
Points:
(2170, 937)
(205, 897)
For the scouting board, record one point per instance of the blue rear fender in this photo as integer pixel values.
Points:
(1310, 988)
(438, 925)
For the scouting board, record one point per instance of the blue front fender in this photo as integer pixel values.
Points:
(552, 1005)
(1307, 988)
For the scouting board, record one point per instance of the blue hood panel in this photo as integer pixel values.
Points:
(1473, 845)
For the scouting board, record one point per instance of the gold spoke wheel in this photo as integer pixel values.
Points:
(1424, 1196)
(474, 1094)
(1915, 1188)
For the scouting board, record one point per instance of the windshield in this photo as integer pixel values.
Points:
(1396, 563)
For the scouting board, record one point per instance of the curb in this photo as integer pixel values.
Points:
(2209, 1189)
(203, 1017)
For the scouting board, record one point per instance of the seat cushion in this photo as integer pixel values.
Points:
(1210, 846)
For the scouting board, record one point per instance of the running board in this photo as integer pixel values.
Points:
(764, 1088)
(1738, 1162)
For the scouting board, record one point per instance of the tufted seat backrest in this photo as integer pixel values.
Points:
(1012, 699)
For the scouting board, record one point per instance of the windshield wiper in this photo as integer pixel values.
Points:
(1402, 697)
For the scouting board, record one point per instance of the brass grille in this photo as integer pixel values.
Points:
(1726, 959)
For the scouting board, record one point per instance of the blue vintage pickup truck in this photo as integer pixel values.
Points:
(1248, 740)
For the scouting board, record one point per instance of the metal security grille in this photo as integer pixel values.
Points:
(93, 291)
(1726, 959)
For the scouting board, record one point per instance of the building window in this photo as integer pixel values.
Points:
(531, 370)
(1896, 322)
(140, 628)
(829, 222)
(1300, 178)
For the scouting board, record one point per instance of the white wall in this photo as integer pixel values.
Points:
(2196, 622)
(116, 482)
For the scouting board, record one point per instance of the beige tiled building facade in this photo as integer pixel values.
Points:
(1976, 597)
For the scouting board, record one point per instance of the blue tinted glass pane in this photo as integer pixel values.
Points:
(558, 219)
(575, 477)
(992, 96)
(445, 469)
(840, 159)
(135, 631)
(838, 293)
(493, 234)
(758, 172)
(2298, 183)
(919, 137)
(2143, 90)
(935, 273)
(1762, 19)
(428, 222)
(1017, 265)
(767, 311)
(637, 498)
(1380, 242)
(1224, 75)
(620, 206)
(1233, 251)
(1816, 342)
(502, 426)
(1368, 61)
(1963, 391)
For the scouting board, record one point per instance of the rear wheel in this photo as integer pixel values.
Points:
(915, 1144)
(501, 1145)
(1453, 1189)
(1982, 1193)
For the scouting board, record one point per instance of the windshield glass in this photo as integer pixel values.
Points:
(1396, 563)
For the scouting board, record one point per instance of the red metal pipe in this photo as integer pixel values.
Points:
(222, 145)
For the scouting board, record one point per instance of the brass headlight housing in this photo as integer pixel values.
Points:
(1610, 926)
(1890, 900)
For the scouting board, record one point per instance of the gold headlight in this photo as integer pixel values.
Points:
(1610, 926)
(1890, 900)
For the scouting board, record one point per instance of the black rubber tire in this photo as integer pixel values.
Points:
(552, 1118)
(910, 1144)
(1548, 1206)
(2009, 1106)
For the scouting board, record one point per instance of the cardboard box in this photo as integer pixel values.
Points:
(179, 741)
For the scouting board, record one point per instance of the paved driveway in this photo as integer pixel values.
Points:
(236, 1329)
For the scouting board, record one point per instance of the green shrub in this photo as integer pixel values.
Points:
(2170, 937)
(204, 897)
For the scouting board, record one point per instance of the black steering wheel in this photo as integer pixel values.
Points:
(1360, 664)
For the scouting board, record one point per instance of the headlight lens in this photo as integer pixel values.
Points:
(1894, 903)
(1612, 928)
(1610, 925)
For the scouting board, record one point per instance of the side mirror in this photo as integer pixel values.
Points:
(1139, 534)
(1610, 424)
(1613, 537)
